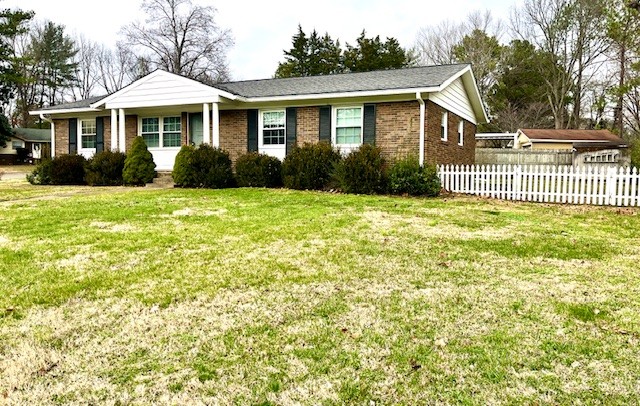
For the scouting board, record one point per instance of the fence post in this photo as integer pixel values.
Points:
(610, 187)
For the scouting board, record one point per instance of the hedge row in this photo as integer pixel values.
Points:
(106, 168)
(310, 167)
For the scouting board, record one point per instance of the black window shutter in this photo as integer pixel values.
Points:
(369, 122)
(99, 134)
(292, 122)
(252, 130)
(73, 135)
(325, 124)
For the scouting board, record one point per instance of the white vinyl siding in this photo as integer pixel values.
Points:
(454, 98)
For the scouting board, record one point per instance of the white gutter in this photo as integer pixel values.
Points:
(53, 134)
(422, 120)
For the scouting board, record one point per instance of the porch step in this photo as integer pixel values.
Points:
(162, 180)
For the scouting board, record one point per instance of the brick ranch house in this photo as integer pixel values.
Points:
(430, 112)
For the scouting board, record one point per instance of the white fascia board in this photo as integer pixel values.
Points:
(64, 111)
(567, 141)
(161, 103)
(317, 96)
(215, 92)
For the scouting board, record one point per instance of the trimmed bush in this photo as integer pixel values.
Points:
(41, 175)
(258, 170)
(407, 177)
(68, 170)
(139, 168)
(205, 167)
(310, 166)
(362, 171)
(105, 169)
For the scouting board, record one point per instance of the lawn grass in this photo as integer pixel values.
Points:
(252, 296)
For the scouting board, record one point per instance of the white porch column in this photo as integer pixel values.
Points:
(53, 140)
(121, 131)
(206, 126)
(114, 129)
(215, 125)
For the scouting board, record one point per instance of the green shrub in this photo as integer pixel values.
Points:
(41, 175)
(309, 166)
(63, 170)
(258, 170)
(204, 166)
(407, 177)
(139, 168)
(362, 171)
(105, 169)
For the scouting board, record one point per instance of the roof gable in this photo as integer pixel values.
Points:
(161, 88)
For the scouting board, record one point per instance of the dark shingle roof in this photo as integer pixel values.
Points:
(76, 104)
(33, 134)
(408, 78)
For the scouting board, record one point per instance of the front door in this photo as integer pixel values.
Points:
(196, 133)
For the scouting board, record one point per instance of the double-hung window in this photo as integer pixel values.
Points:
(88, 134)
(273, 127)
(443, 126)
(16, 144)
(348, 127)
(165, 132)
(461, 133)
(171, 132)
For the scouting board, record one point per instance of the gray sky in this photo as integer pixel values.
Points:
(263, 29)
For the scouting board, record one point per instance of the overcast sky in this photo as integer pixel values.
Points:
(263, 29)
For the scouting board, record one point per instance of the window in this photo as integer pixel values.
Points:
(88, 134)
(273, 127)
(171, 132)
(443, 127)
(461, 133)
(348, 126)
(16, 144)
(165, 132)
(151, 132)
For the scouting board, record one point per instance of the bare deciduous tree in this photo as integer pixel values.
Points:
(182, 38)
(570, 32)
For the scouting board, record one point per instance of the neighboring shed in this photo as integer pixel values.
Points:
(539, 139)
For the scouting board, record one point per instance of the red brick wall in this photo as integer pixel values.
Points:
(233, 132)
(447, 152)
(130, 130)
(62, 136)
(107, 133)
(184, 121)
(308, 125)
(398, 129)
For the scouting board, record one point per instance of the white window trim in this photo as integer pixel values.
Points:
(79, 141)
(444, 119)
(346, 148)
(461, 133)
(161, 131)
(261, 144)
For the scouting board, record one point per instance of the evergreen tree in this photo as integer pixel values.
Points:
(372, 54)
(139, 168)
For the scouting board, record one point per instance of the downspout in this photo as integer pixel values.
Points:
(53, 134)
(422, 120)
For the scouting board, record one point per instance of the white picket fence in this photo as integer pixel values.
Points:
(551, 184)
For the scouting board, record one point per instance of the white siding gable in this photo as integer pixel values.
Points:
(162, 89)
(455, 99)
